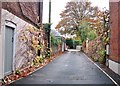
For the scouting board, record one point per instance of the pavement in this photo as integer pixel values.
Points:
(72, 67)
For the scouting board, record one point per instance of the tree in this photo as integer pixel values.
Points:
(74, 14)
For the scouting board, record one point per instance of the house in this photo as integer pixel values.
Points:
(114, 59)
(57, 47)
(15, 17)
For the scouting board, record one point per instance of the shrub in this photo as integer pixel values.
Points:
(77, 42)
(55, 41)
(83, 35)
(101, 53)
(69, 42)
(72, 43)
(91, 35)
(101, 60)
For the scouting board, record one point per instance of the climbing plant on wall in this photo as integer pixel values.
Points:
(30, 41)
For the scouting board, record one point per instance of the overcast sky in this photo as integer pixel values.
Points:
(59, 5)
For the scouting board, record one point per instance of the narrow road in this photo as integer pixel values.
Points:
(70, 68)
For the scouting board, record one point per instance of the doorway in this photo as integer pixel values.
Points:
(9, 42)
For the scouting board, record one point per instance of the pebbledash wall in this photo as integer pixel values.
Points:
(11, 15)
(114, 60)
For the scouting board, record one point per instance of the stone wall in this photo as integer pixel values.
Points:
(20, 25)
(20, 47)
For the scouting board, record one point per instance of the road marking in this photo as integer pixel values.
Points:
(103, 71)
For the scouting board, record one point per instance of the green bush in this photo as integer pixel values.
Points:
(102, 56)
(77, 42)
(69, 42)
(73, 43)
(101, 52)
(91, 35)
(83, 35)
(55, 41)
(58, 41)
(101, 60)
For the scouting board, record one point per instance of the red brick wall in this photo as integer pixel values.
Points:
(28, 11)
(115, 31)
(119, 31)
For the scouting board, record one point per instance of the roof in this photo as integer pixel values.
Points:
(55, 32)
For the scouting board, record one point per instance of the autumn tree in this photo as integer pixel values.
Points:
(74, 14)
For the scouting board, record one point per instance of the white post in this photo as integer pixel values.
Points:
(107, 53)
(87, 45)
(107, 49)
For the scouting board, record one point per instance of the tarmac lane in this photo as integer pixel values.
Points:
(72, 67)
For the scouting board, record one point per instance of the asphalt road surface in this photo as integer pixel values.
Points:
(72, 67)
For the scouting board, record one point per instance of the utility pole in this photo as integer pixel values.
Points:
(49, 12)
(49, 28)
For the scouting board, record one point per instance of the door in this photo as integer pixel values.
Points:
(8, 62)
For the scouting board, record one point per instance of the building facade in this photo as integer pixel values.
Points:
(15, 17)
(114, 60)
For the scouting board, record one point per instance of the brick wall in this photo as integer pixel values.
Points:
(115, 31)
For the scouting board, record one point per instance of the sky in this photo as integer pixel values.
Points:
(58, 6)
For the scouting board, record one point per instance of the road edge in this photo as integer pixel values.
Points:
(102, 70)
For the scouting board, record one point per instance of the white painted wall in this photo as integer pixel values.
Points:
(78, 47)
(114, 66)
(20, 24)
(1, 58)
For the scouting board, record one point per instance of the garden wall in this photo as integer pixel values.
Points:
(20, 57)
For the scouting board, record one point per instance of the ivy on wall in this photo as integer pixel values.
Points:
(30, 41)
